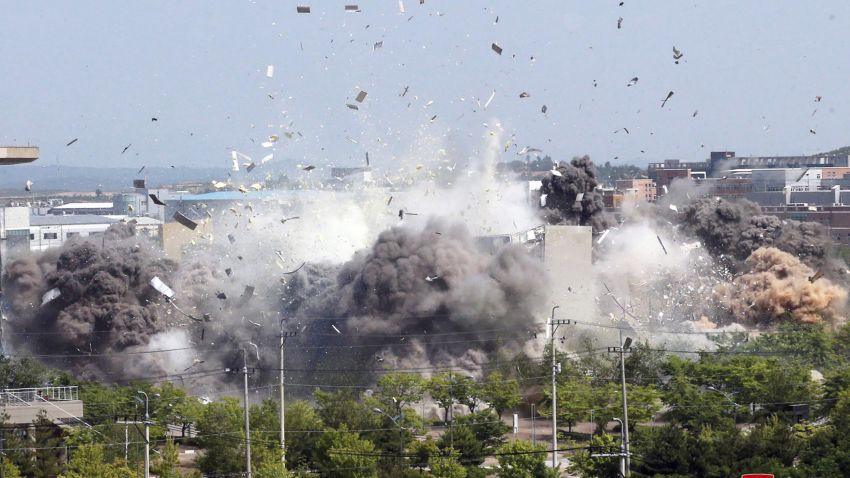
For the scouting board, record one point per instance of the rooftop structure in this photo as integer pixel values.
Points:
(22, 405)
(18, 154)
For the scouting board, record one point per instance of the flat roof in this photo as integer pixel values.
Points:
(85, 205)
(18, 154)
(76, 219)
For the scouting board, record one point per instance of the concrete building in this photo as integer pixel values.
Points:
(643, 189)
(88, 208)
(62, 405)
(567, 258)
(52, 231)
(18, 154)
(663, 178)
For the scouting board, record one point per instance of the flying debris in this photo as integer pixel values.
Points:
(817, 99)
(677, 55)
(126, 148)
(295, 270)
(141, 169)
(544, 109)
(154, 118)
(431, 278)
(632, 82)
(496, 48)
(308, 168)
(524, 95)
(352, 107)
(302, 9)
(695, 114)
(50, 295)
(401, 6)
(662, 244)
(221, 296)
(156, 200)
(250, 167)
(269, 71)
(360, 97)
(283, 221)
(266, 158)
(490, 99)
(28, 186)
(603, 236)
(812, 131)
(377, 45)
(185, 221)
(815, 277)
(336, 329)
(160, 287)
(664, 101)
(619, 23)
(390, 200)
(139, 183)
(69, 143)
(352, 8)
(405, 91)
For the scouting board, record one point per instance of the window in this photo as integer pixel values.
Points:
(72, 235)
(51, 235)
(32, 237)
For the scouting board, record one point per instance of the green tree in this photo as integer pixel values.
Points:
(221, 434)
(446, 465)
(48, 445)
(87, 461)
(10, 470)
(499, 393)
(520, 459)
(342, 454)
(448, 388)
(587, 466)
(165, 462)
(395, 391)
(301, 420)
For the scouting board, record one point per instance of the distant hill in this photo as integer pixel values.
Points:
(843, 150)
(72, 178)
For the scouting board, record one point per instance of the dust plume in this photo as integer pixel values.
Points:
(777, 285)
(571, 195)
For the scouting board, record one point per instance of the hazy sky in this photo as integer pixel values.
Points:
(99, 70)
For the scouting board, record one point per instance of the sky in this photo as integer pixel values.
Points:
(100, 71)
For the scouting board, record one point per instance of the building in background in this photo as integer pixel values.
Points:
(643, 189)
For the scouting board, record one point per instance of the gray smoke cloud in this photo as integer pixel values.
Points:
(419, 282)
(736, 229)
(571, 195)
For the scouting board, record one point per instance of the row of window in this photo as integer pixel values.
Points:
(52, 236)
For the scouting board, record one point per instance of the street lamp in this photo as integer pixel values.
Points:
(395, 420)
(147, 433)
(622, 447)
(728, 397)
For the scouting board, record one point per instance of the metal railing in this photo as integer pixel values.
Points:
(21, 397)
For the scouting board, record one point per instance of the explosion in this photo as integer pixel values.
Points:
(778, 285)
(571, 195)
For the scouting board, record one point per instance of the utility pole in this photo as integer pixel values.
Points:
(147, 436)
(556, 367)
(247, 416)
(126, 424)
(622, 349)
(533, 431)
(283, 337)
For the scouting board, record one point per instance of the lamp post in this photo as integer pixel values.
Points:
(147, 435)
(283, 337)
(728, 397)
(622, 447)
(395, 420)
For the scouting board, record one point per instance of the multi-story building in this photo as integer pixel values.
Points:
(643, 189)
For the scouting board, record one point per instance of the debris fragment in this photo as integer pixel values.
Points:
(673, 208)
(677, 55)
(619, 23)
(812, 131)
(28, 186)
(401, 6)
(283, 221)
(817, 99)
(332, 325)
(544, 109)
(352, 107)
(139, 183)
(69, 143)
(269, 71)
(221, 296)
(377, 45)
(524, 94)
(664, 101)
(156, 199)
(160, 287)
(140, 170)
(492, 95)
(296, 269)
(352, 8)
(815, 277)
(50, 295)
(179, 217)
(695, 114)
(302, 9)
(308, 168)
(662, 244)
(266, 158)
(126, 148)
(361, 96)
(496, 48)
(632, 82)
(603, 236)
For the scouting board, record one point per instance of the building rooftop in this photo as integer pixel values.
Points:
(18, 154)
(76, 219)
(85, 205)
